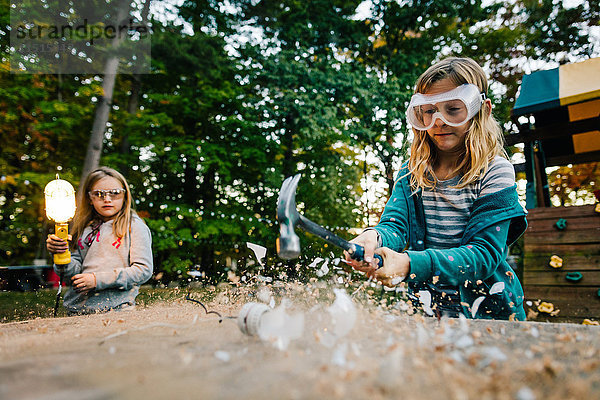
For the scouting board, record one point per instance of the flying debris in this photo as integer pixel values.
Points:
(497, 287)
(425, 298)
(259, 252)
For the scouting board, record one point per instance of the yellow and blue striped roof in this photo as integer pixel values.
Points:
(567, 84)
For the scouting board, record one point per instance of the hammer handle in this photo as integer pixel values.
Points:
(356, 251)
(359, 254)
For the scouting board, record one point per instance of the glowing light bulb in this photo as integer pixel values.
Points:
(60, 208)
(60, 201)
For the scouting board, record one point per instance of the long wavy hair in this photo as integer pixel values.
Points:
(483, 140)
(86, 215)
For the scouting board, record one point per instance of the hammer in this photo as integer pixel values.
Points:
(288, 243)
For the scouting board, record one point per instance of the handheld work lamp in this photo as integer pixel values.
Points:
(60, 208)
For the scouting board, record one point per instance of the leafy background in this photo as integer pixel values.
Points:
(245, 93)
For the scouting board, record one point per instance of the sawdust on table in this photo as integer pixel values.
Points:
(175, 350)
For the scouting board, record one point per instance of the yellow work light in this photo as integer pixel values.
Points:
(60, 208)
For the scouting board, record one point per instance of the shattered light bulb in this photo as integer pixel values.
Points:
(343, 317)
(343, 313)
(280, 328)
(249, 318)
(264, 294)
(271, 325)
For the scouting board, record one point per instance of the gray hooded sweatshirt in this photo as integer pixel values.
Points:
(120, 265)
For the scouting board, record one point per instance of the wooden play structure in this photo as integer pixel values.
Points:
(558, 114)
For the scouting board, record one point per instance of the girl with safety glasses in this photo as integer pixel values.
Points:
(112, 255)
(454, 209)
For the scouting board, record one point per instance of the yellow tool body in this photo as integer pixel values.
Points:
(62, 231)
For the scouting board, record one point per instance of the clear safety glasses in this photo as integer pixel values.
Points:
(454, 107)
(101, 194)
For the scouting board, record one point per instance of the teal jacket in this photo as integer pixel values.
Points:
(496, 221)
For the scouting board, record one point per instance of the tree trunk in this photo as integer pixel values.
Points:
(134, 97)
(132, 107)
(94, 149)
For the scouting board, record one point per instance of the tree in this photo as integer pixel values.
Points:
(574, 185)
(189, 149)
(225, 117)
(38, 135)
(521, 36)
(304, 87)
(94, 148)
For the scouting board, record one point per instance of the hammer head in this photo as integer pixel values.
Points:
(288, 243)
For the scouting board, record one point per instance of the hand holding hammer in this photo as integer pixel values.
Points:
(394, 268)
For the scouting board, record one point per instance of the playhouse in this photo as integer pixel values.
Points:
(558, 114)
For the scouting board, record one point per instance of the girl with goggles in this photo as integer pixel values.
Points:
(112, 250)
(454, 209)
(455, 107)
(101, 194)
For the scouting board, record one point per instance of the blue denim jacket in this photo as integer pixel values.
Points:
(496, 221)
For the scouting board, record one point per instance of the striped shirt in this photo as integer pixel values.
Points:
(447, 209)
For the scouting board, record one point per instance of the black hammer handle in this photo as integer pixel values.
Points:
(357, 252)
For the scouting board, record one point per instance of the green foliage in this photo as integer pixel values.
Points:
(38, 133)
(254, 93)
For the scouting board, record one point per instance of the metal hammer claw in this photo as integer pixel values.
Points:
(288, 243)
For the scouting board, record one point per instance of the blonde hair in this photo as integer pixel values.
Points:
(86, 214)
(483, 140)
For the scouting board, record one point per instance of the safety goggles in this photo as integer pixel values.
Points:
(454, 107)
(101, 194)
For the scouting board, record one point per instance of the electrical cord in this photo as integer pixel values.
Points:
(189, 297)
(60, 279)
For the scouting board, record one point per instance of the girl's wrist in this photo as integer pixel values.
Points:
(407, 260)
